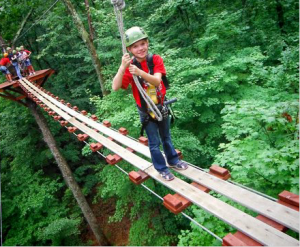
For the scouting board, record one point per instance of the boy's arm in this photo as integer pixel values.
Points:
(152, 79)
(28, 53)
(117, 81)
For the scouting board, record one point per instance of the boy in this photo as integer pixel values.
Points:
(3, 63)
(137, 43)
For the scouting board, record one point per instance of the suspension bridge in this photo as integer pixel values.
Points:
(268, 228)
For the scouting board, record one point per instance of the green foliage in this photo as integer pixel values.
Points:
(60, 229)
(154, 235)
(263, 135)
(233, 66)
(31, 190)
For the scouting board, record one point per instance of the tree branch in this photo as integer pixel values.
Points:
(22, 27)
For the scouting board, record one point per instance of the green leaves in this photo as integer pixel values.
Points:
(263, 141)
(233, 68)
(60, 229)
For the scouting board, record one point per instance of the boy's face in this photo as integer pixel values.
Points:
(139, 49)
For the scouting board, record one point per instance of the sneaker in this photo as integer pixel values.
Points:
(181, 165)
(167, 175)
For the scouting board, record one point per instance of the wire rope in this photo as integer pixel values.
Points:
(37, 20)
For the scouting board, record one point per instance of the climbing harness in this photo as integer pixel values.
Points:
(164, 111)
(155, 94)
(150, 65)
(118, 6)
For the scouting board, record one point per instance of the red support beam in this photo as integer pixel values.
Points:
(138, 177)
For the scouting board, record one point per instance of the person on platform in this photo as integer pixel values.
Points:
(9, 52)
(4, 62)
(25, 54)
(15, 63)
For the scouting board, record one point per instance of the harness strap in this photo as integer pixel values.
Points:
(150, 66)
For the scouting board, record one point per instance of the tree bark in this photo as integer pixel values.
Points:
(21, 27)
(2, 44)
(89, 43)
(92, 30)
(67, 173)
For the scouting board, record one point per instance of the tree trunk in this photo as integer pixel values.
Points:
(2, 44)
(89, 43)
(67, 174)
(92, 30)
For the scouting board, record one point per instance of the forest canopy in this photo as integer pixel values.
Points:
(232, 65)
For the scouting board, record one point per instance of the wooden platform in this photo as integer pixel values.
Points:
(11, 90)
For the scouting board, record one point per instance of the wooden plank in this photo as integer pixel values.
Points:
(277, 212)
(7, 84)
(114, 147)
(109, 132)
(21, 97)
(254, 228)
(247, 224)
(273, 210)
(40, 74)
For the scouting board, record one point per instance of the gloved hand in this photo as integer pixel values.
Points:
(120, 4)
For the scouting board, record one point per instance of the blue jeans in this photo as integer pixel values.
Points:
(4, 70)
(17, 68)
(158, 132)
(27, 62)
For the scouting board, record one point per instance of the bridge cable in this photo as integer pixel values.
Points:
(37, 20)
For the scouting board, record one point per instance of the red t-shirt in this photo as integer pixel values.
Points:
(4, 61)
(159, 67)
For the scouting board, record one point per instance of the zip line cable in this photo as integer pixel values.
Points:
(38, 20)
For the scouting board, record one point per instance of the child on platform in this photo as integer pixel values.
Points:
(15, 63)
(3, 66)
(25, 54)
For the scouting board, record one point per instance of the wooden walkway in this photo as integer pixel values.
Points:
(11, 91)
(277, 212)
(252, 227)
